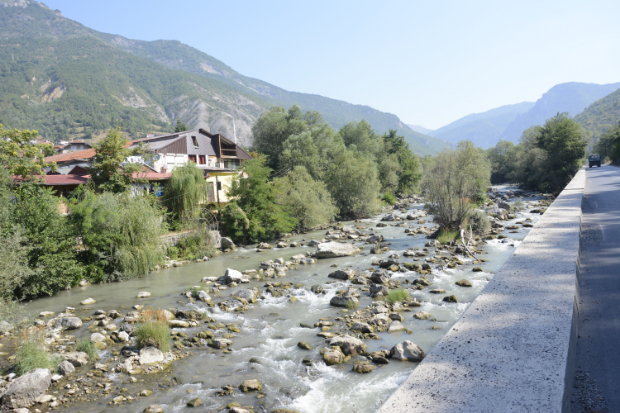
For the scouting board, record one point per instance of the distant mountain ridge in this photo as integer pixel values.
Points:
(570, 97)
(68, 80)
(420, 129)
(483, 129)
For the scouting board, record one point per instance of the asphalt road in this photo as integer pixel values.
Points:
(597, 373)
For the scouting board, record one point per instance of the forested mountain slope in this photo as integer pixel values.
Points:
(601, 115)
(67, 80)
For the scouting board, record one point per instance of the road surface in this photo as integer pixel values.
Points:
(597, 373)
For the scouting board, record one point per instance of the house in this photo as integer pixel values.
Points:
(218, 156)
(72, 146)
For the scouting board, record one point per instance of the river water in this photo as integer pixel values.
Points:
(270, 330)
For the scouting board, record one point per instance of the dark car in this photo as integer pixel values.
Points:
(594, 160)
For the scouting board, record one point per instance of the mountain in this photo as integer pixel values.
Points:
(566, 97)
(601, 115)
(66, 80)
(419, 129)
(483, 129)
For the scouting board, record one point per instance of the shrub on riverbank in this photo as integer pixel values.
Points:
(398, 295)
(153, 331)
(478, 221)
(32, 353)
(444, 236)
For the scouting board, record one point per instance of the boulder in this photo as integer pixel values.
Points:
(144, 294)
(360, 280)
(361, 327)
(65, 368)
(123, 337)
(88, 301)
(332, 356)
(450, 299)
(317, 289)
(336, 249)
(246, 294)
(380, 277)
(422, 315)
(344, 301)
(154, 408)
(203, 296)
(220, 342)
(396, 327)
(363, 368)
(345, 274)
(350, 346)
(77, 358)
(150, 355)
(463, 283)
(66, 323)
(97, 338)
(26, 390)
(251, 385)
(377, 290)
(407, 351)
(232, 276)
(227, 244)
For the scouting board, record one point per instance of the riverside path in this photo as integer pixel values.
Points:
(596, 382)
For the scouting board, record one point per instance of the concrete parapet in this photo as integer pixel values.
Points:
(513, 348)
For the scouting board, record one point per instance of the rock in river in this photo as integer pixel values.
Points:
(407, 351)
(332, 356)
(27, 389)
(150, 355)
(66, 323)
(336, 249)
(77, 358)
(344, 301)
(350, 346)
(345, 274)
(65, 368)
(144, 294)
(88, 301)
(251, 385)
(232, 276)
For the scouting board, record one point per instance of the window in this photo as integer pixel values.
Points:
(231, 163)
(219, 186)
(192, 158)
(202, 159)
(195, 141)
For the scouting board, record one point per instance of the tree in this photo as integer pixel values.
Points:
(185, 191)
(121, 235)
(608, 145)
(455, 183)
(353, 184)
(274, 127)
(180, 126)
(108, 168)
(564, 141)
(307, 200)
(408, 170)
(502, 158)
(51, 242)
(20, 154)
(256, 196)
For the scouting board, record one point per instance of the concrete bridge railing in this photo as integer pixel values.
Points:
(513, 348)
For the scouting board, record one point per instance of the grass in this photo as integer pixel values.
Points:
(395, 296)
(388, 198)
(352, 305)
(153, 330)
(446, 235)
(32, 353)
(518, 204)
(88, 347)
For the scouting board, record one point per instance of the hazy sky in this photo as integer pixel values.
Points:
(428, 62)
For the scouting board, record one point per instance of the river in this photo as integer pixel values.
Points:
(270, 330)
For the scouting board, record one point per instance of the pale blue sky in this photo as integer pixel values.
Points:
(428, 62)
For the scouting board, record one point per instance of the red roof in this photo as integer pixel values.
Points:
(83, 154)
(152, 176)
(57, 180)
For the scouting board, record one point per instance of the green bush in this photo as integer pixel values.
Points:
(478, 221)
(32, 353)
(446, 236)
(395, 296)
(87, 347)
(153, 334)
(389, 198)
(173, 253)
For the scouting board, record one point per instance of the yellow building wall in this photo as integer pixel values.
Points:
(226, 179)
